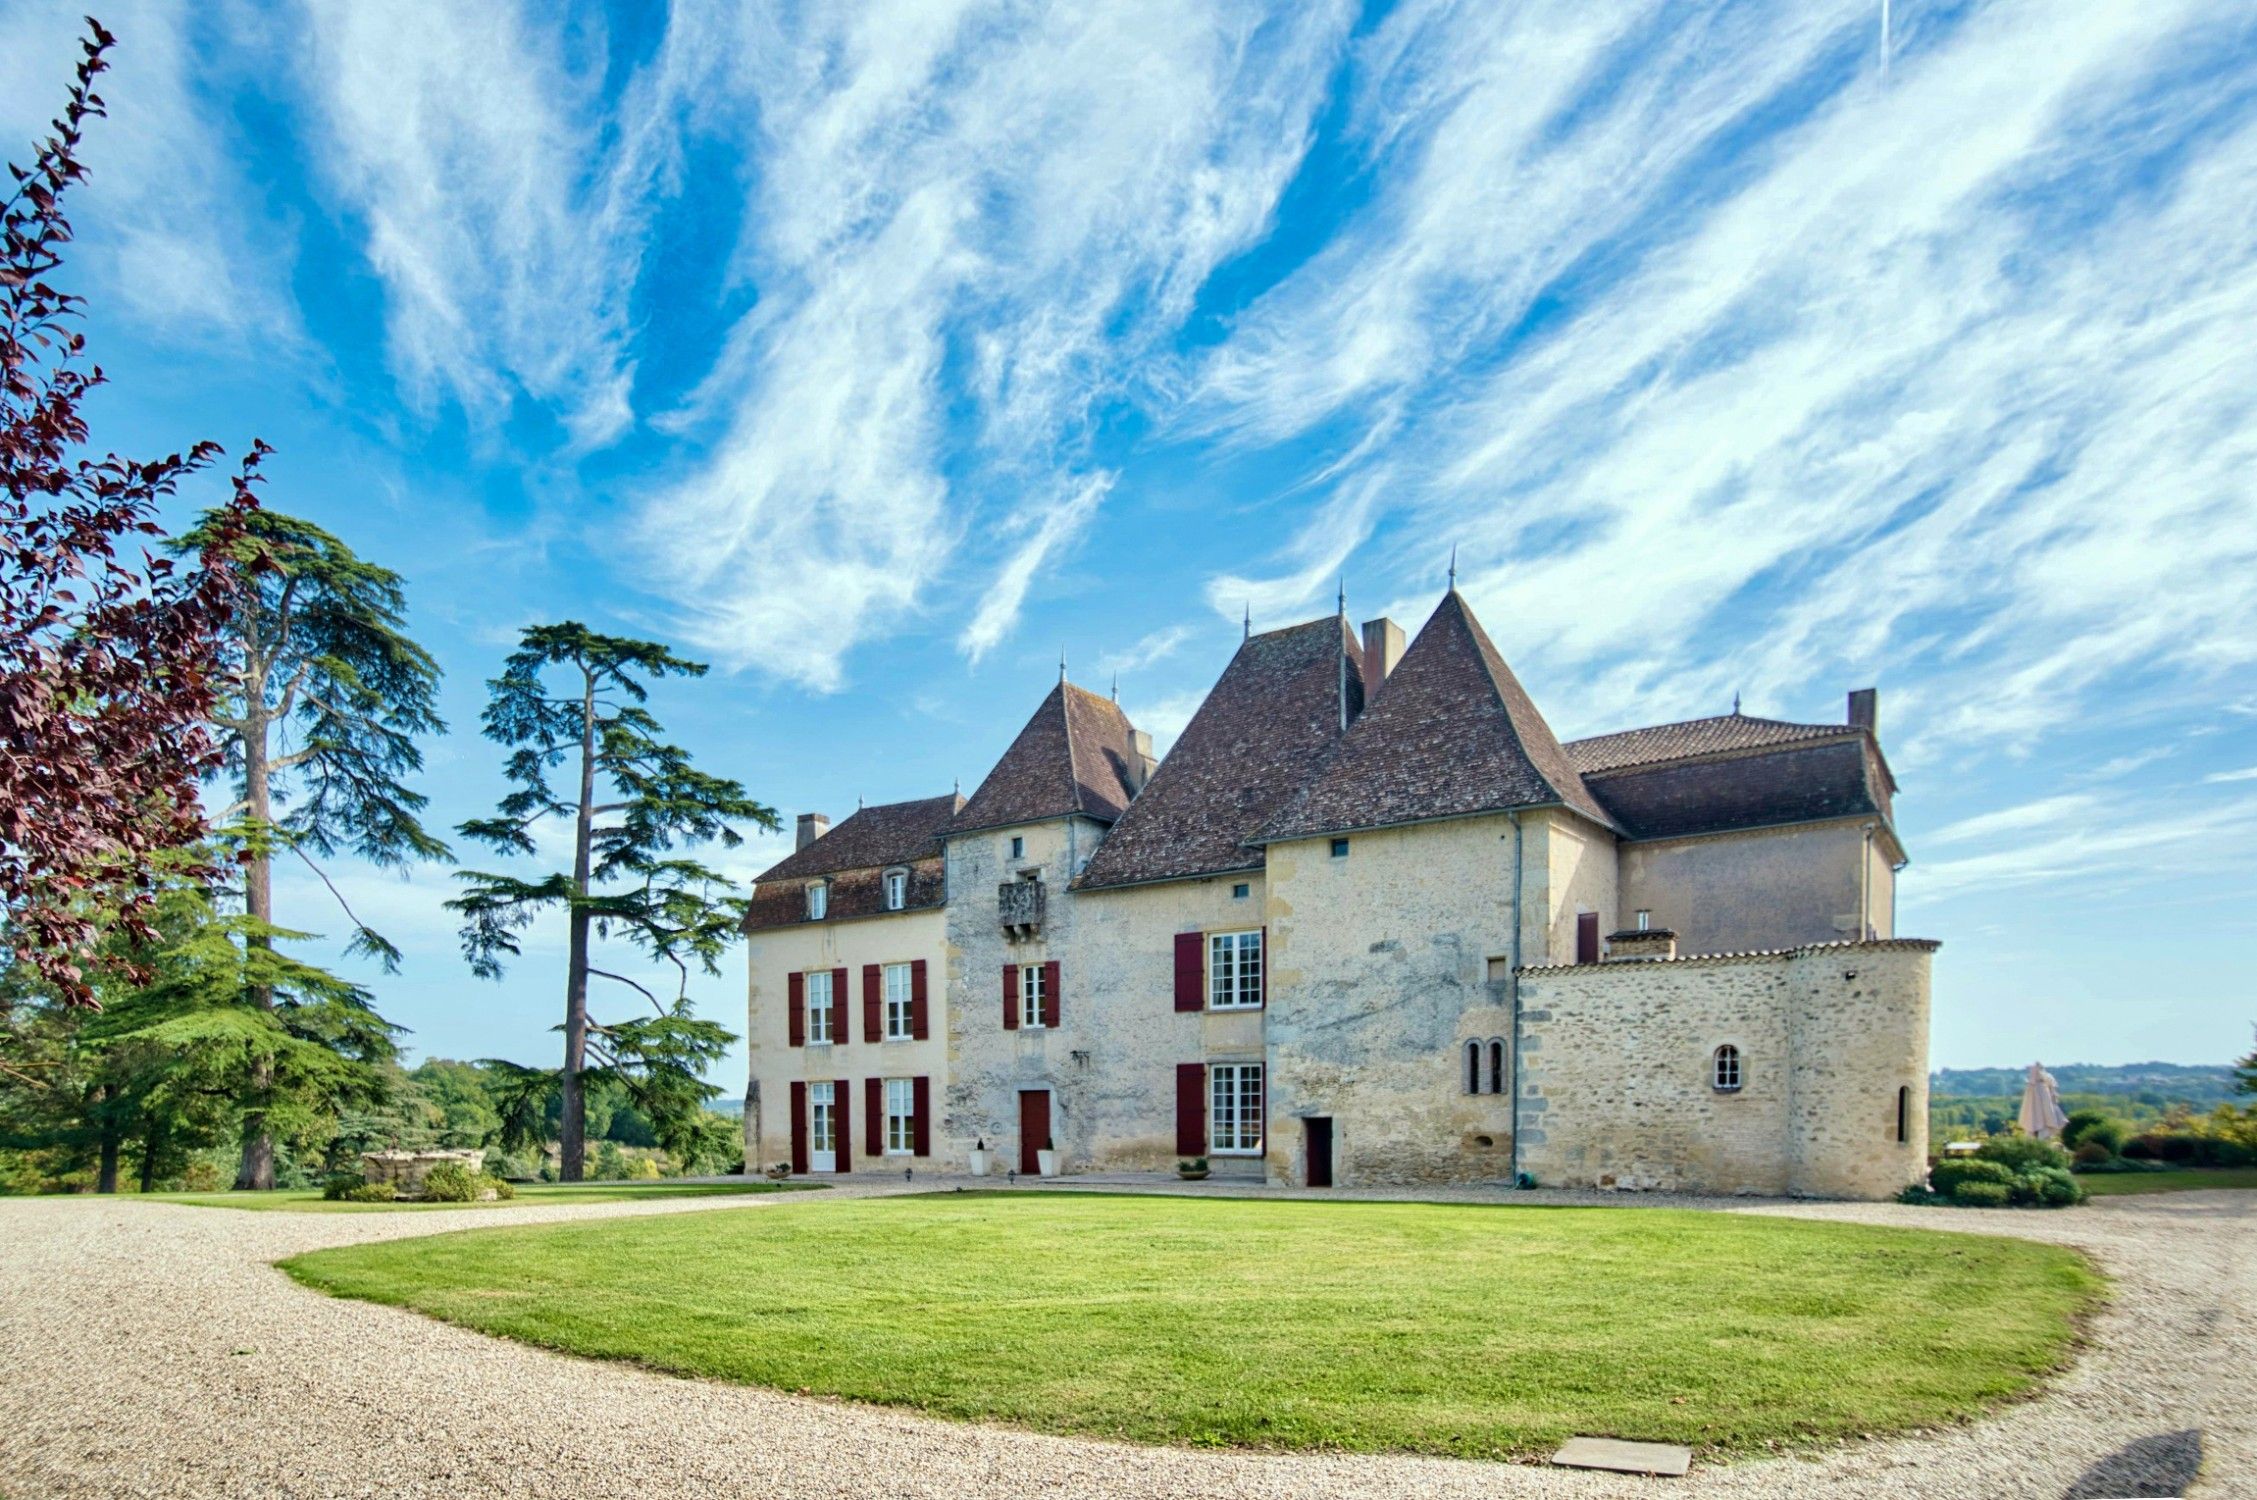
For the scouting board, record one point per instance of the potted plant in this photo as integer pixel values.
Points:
(1192, 1169)
(778, 1172)
(979, 1158)
(1047, 1157)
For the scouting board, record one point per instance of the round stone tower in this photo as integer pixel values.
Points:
(1857, 1113)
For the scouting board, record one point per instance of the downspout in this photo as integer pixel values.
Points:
(1865, 887)
(1513, 978)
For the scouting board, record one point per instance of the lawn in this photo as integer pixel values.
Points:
(310, 1201)
(1479, 1331)
(2176, 1180)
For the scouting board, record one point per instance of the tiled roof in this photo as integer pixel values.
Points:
(853, 893)
(893, 833)
(1268, 723)
(1073, 756)
(1660, 742)
(1792, 782)
(1451, 732)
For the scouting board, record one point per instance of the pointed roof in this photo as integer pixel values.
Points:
(892, 833)
(1073, 757)
(1264, 728)
(1451, 733)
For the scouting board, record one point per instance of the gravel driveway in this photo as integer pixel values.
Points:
(150, 1349)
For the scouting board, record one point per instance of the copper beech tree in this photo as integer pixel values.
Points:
(109, 654)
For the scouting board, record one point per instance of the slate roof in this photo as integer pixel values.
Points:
(1787, 783)
(1073, 756)
(1450, 733)
(1266, 726)
(1660, 742)
(892, 833)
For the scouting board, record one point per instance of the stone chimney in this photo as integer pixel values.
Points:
(1142, 762)
(1383, 647)
(812, 826)
(1865, 710)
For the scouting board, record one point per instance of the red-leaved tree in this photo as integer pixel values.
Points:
(109, 652)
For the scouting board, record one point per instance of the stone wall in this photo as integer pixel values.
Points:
(405, 1170)
(1769, 888)
(1617, 1082)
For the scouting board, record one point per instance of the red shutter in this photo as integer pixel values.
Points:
(873, 1003)
(796, 984)
(874, 1116)
(1010, 997)
(1191, 971)
(1050, 993)
(918, 1026)
(1191, 1109)
(921, 1114)
(842, 1121)
(1587, 937)
(1262, 974)
(842, 1000)
(799, 1123)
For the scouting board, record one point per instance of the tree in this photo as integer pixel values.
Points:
(325, 698)
(108, 653)
(632, 797)
(2245, 1073)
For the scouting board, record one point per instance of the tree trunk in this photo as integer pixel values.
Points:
(573, 1129)
(152, 1141)
(256, 1171)
(106, 1176)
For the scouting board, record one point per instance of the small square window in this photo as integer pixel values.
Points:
(1241, 891)
(1339, 848)
(1018, 847)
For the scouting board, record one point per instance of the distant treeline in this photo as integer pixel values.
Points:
(2156, 1084)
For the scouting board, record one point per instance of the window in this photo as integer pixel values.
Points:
(901, 1117)
(1725, 1070)
(1473, 1067)
(1235, 1109)
(897, 889)
(1234, 970)
(1241, 891)
(1030, 995)
(819, 1008)
(1904, 1114)
(822, 1117)
(1496, 1066)
(1339, 848)
(1018, 847)
(818, 900)
(899, 1021)
(1645, 920)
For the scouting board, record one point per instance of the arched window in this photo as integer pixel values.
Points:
(1904, 1114)
(1724, 1069)
(1473, 1067)
(1496, 1066)
(818, 900)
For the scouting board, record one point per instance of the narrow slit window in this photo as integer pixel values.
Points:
(1473, 1067)
(1496, 1067)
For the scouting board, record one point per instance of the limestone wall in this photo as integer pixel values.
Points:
(1617, 1088)
(772, 955)
(1770, 888)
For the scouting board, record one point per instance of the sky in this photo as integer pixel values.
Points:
(881, 354)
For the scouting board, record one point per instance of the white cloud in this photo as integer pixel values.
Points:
(2120, 853)
(1149, 650)
(2046, 812)
(2246, 774)
(1053, 528)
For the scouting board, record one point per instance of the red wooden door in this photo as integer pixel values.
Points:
(1034, 1128)
(1587, 937)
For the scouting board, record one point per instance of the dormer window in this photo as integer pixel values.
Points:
(818, 900)
(897, 889)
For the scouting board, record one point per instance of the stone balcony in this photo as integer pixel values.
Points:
(1018, 905)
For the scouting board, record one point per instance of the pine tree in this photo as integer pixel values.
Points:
(631, 798)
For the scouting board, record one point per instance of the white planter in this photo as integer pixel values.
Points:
(1048, 1162)
(979, 1163)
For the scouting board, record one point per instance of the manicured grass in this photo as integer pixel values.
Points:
(310, 1201)
(2176, 1180)
(1471, 1330)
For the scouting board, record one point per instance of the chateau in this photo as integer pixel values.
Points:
(1369, 922)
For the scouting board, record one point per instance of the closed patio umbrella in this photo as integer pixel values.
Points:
(2041, 1115)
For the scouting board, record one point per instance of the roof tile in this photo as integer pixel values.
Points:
(1074, 756)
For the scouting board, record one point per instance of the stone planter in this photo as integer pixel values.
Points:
(979, 1161)
(1048, 1162)
(1192, 1174)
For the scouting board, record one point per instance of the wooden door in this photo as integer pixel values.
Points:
(1318, 1134)
(1034, 1128)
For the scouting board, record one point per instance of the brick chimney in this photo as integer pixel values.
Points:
(812, 826)
(1865, 710)
(1142, 762)
(1383, 647)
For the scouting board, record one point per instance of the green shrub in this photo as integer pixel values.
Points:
(500, 1186)
(450, 1182)
(2051, 1187)
(370, 1192)
(1916, 1194)
(2119, 1164)
(2089, 1127)
(340, 1186)
(1950, 1174)
(1982, 1195)
(2090, 1154)
(2021, 1153)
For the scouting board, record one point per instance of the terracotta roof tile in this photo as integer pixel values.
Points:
(1073, 756)
(1660, 742)
(892, 833)
(1450, 733)
(1263, 729)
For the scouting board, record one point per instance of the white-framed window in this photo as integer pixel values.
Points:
(818, 900)
(900, 1023)
(820, 1010)
(1031, 995)
(822, 1117)
(1234, 1109)
(897, 889)
(901, 1117)
(1234, 970)
(1725, 1069)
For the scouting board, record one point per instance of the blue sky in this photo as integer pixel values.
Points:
(879, 353)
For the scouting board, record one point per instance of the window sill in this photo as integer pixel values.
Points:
(1240, 1152)
(1229, 1010)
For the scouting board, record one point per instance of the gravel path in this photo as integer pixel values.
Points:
(149, 1349)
